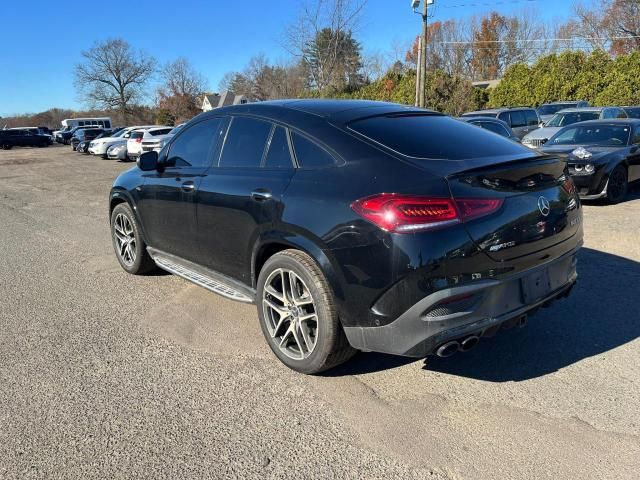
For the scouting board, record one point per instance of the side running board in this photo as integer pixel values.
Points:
(204, 277)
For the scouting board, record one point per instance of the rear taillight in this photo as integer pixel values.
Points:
(406, 213)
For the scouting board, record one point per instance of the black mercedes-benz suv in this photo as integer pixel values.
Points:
(353, 225)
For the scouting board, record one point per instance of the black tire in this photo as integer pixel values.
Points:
(142, 262)
(618, 185)
(331, 346)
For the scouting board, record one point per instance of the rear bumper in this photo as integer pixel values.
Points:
(485, 304)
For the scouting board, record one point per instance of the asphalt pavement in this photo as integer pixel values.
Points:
(108, 375)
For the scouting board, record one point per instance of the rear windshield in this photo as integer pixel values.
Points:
(555, 107)
(135, 135)
(605, 135)
(435, 137)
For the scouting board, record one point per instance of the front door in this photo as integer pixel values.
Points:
(168, 196)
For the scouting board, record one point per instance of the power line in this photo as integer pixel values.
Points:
(574, 39)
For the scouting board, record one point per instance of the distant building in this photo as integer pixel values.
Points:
(215, 100)
(486, 83)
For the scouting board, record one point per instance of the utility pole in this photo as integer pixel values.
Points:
(421, 77)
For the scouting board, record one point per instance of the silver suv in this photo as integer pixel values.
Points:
(522, 120)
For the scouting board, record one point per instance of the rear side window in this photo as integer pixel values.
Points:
(245, 143)
(435, 137)
(164, 131)
(194, 145)
(278, 153)
(532, 117)
(495, 128)
(518, 119)
(309, 154)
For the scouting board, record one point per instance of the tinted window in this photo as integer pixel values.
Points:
(160, 132)
(430, 136)
(309, 154)
(193, 147)
(633, 112)
(136, 135)
(532, 117)
(278, 154)
(495, 128)
(550, 109)
(504, 116)
(636, 135)
(518, 119)
(245, 142)
(621, 114)
(606, 135)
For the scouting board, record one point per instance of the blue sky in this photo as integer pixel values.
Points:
(41, 42)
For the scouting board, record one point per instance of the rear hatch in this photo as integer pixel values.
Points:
(539, 208)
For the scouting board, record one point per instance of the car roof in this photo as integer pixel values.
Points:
(337, 111)
(484, 119)
(583, 109)
(497, 110)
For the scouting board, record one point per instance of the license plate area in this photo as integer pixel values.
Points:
(535, 286)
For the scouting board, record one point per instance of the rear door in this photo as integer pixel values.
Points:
(240, 197)
(167, 204)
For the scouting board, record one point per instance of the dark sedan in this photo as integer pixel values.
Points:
(85, 134)
(603, 156)
(353, 225)
(493, 125)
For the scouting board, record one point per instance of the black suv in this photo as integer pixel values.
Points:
(22, 138)
(353, 225)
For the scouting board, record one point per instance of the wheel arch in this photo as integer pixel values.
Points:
(273, 242)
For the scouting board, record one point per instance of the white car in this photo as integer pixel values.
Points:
(156, 142)
(117, 151)
(100, 146)
(134, 143)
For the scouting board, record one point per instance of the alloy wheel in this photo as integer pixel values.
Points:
(290, 314)
(125, 238)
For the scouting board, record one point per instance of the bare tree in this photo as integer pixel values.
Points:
(332, 21)
(113, 75)
(181, 90)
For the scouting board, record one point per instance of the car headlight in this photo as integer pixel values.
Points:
(589, 168)
(581, 153)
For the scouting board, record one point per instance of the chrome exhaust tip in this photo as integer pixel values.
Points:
(469, 342)
(448, 349)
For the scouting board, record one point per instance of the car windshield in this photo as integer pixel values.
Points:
(604, 135)
(565, 119)
(633, 112)
(550, 109)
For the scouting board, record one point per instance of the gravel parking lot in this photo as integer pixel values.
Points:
(107, 375)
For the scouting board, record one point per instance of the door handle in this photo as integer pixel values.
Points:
(261, 194)
(188, 186)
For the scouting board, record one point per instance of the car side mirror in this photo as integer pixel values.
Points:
(148, 161)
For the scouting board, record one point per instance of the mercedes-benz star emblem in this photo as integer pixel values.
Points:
(543, 206)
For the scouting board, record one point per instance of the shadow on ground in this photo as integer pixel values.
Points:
(601, 314)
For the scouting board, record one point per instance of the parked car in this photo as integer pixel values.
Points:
(100, 147)
(83, 147)
(567, 117)
(632, 112)
(21, 138)
(494, 125)
(36, 131)
(118, 152)
(603, 156)
(350, 228)
(156, 142)
(548, 110)
(83, 134)
(522, 120)
(65, 136)
(134, 143)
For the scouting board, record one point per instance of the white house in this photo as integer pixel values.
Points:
(215, 100)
